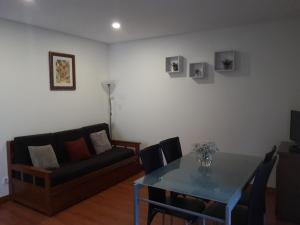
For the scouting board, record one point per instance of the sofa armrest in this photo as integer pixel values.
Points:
(34, 172)
(37, 172)
(127, 144)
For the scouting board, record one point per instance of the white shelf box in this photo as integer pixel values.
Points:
(225, 61)
(174, 64)
(198, 70)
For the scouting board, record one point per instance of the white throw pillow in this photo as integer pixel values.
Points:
(43, 157)
(100, 141)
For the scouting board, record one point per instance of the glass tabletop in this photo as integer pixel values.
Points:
(228, 174)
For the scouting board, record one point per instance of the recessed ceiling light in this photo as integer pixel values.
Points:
(29, 1)
(116, 25)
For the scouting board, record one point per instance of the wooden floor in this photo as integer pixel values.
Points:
(111, 207)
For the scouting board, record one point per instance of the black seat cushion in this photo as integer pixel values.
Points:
(239, 215)
(86, 131)
(195, 205)
(72, 170)
(21, 153)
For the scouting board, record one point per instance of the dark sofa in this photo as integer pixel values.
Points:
(50, 191)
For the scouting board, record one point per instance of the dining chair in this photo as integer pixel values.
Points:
(171, 148)
(254, 213)
(152, 159)
(172, 151)
(246, 194)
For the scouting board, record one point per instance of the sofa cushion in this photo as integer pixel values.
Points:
(43, 156)
(100, 141)
(86, 131)
(21, 153)
(73, 170)
(61, 138)
(77, 150)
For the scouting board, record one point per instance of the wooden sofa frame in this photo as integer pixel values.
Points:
(50, 200)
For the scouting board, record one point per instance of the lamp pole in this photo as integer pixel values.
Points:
(109, 105)
(108, 87)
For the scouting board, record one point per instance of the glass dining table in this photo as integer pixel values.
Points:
(222, 182)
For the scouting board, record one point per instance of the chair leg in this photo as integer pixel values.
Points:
(163, 219)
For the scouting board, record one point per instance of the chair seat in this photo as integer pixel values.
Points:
(239, 215)
(73, 170)
(186, 203)
(244, 200)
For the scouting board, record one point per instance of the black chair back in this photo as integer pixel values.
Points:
(171, 148)
(152, 159)
(269, 155)
(257, 194)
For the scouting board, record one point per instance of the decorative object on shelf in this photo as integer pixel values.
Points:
(62, 71)
(198, 70)
(205, 152)
(109, 85)
(225, 61)
(174, 64)
(227, 64)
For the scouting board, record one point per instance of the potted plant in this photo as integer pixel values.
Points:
(175, 67)
(227, 63)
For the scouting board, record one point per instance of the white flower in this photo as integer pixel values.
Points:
(206, 148)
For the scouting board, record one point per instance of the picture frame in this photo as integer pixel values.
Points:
(62, 71)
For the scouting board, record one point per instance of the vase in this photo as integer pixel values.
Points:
(205, 159)
(227, 66)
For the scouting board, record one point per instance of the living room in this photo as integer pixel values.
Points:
(243, 110)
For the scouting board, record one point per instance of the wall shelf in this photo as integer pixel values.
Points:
(198, 70)
(225, 61)
(174, 64)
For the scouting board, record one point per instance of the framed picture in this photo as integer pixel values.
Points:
(62, 71)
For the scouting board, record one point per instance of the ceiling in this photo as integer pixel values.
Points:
(142, 19)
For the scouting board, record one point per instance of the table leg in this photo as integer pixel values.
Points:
(137, 188)
(229, 207)
(228, 215)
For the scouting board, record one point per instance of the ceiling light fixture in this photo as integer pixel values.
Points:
(29, 1)
(116, 25)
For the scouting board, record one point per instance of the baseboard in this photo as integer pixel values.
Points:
(4, 199)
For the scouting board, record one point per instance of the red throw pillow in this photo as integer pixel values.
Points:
(77, 150)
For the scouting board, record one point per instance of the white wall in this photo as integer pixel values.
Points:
(27, 104)
(245, 112)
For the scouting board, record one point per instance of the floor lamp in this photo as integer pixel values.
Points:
(108, 86)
